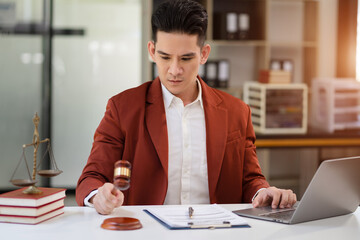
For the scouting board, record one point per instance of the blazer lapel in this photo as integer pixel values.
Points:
(156, 122)
(216, 134)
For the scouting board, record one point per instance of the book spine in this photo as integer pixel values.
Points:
(31, 211)
(32, 220)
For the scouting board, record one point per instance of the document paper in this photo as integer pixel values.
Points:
(203, 215)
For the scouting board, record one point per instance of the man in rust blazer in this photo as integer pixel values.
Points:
(135, 127)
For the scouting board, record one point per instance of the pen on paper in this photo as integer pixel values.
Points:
(191, 212)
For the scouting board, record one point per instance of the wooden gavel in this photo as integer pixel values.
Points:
(122, 173)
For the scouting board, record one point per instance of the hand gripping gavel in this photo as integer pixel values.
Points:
(122, 173)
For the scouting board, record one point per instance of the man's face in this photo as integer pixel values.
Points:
(178, 57)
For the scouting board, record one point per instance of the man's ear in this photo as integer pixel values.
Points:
(205, 52)
(151, 50)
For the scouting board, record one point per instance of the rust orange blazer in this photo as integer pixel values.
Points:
(134, 128)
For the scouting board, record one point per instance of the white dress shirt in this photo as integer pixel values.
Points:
(187, 162)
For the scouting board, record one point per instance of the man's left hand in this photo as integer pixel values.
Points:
(275, 197)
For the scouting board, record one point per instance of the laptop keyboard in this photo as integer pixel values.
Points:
(283, 214)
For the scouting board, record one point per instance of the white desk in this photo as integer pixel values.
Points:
(84, 223)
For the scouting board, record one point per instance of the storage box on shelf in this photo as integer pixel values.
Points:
(277, 108)
(335, 104)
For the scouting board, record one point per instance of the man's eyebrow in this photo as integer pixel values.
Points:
(163, 53)
(185, 55)
(189, 55)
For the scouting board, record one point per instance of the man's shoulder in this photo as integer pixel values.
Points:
(132, 95)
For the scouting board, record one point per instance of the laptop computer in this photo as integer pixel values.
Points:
(333, 191)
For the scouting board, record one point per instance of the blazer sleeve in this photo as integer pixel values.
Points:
(253, 178)
(106, 150)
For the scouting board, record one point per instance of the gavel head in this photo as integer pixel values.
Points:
(122, 173)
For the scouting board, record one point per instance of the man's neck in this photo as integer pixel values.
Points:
(191, 95)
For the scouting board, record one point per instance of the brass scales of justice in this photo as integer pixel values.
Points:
(31, 181)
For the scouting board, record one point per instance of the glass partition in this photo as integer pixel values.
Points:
(87, 71)
(21, 61)
(95, 53)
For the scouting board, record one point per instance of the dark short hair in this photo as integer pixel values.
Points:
(182, 16)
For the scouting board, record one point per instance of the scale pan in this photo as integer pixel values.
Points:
(23, 182)
(49, 173)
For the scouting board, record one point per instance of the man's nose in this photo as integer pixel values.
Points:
(175, 68)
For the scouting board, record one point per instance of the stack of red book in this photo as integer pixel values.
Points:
(17, 207)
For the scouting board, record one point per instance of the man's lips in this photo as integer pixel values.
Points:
(174, 81)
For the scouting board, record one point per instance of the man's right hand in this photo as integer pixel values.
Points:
(107, 198)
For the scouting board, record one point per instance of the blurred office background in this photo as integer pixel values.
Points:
(96, 54)
(98, 50)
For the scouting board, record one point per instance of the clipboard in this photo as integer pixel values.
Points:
(218, 217)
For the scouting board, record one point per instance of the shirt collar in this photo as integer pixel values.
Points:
(169, 97)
